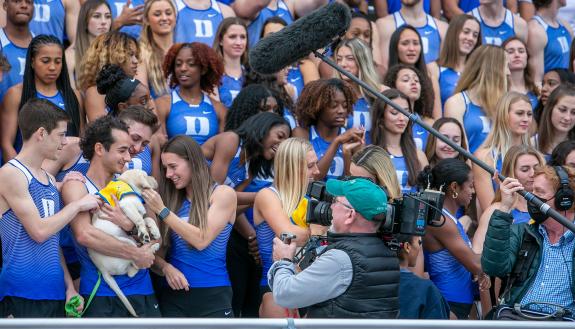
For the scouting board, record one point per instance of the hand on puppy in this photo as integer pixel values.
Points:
(153, 200)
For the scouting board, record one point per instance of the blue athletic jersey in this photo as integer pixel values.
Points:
(468, 5)
(288, 116)
(256, 185)
(57, 99)
(476, 124)
(296, 80)
(142, 161)
(256, 26)
(402, 173)
(197, 121)
(49, 18)
(556, 53)
(361, 117)
(205, 268)
(448, 274)
(395, 5)
(81, 165)
(533, 100)
(16, 56)
(448, 79)
(520, 216)
(496, 35)
(419, 135)
(430, 37)
(139, 284)
(30, 269)
(320, 146)
(116, 7)
(265, 236)
(229, 88)
(194, 25)
(237, 172)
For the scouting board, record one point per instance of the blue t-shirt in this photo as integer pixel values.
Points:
(195, 25)
(430, 37)
(49, 18)
(197, 121)
(556, 52)
(496, 35)
(256, 26)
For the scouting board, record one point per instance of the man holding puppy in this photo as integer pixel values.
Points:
(106, 145)
(34, 281)
(357, 276)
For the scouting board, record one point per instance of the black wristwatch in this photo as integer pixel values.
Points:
(163, 214)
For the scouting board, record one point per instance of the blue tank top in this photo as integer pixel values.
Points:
(57, 99)
(256, 26)
(468, 5)
(139, 284)
(419, 135)
(32, 270)
(402, 173)
(476, 124)
(361, 117)
(533, 100)
(395, 5)
(67, 245)
(288, 116)
(142, 161)
(197, 121)
(116, 7)
(229, 88)
(430, 38)
(49, 18)
(320, 146)
(81, 165)
(265, 236)
(495, 35)
(16, 56)
(205, 268)
(237, 172)
(448, 274)
(556, 53)
(195, 25)
(520, 216)
(256, 185)
(448, 79)
(296, 79)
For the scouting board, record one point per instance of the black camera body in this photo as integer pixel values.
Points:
(319, 204)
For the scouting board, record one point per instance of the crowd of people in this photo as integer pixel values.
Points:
(91, 88)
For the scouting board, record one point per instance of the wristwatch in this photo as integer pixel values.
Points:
(163, 214)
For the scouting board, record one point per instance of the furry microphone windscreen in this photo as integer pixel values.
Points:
(298, 40)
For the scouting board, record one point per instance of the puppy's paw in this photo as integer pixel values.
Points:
(155, 247)
(153, 228)
(144, 237)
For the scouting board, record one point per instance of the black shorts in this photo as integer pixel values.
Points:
(213, 302)
(146, 306)
(461, 310)
(31, 308)
(74, 269)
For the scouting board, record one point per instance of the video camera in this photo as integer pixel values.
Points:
(408, 215)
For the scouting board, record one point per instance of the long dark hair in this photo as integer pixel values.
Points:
(246, 104)
(252, 133)
(71, 105)
(424, 105)
(443, 174)
(394, 42)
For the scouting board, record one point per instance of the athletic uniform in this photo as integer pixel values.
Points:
(402, 173)
(49, 18)
(419, 135)
(116, 6)
(448, 79)
(237, 172)
(229, 88)
(256, 26)
(32, 279)
(138, 289)
(496, 35)
(361, 118)
(556, 53)
(16, 56)
(295, 78)
(195, 25)
(430, 37)
(320, 146)
(142, 161)
(197, 121)
(395, 5)
(288, 116)
(210, 293)
(476, 124)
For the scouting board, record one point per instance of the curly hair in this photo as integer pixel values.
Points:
(210, 64)
(109, 48)
(100, 131)
(424, 105)
(317, 96)
(250, 101)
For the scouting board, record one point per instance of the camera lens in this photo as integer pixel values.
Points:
(322, 213)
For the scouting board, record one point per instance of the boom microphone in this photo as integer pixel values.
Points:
(298, 40)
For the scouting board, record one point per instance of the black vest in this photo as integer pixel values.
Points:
(374, 289)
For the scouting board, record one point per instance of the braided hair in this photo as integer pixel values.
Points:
(113, 82)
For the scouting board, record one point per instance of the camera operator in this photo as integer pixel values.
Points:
(537, 256)
(357, 275)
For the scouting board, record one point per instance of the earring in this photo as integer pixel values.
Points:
(454, 195)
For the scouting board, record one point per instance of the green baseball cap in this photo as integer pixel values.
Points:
(366, 197)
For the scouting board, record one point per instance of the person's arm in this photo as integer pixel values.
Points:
(350, 136)
(221, 212)
(249, 9)
(226, 146)
(10, 121)
(536, 42)
(380, 7)
(435, 10)
(163, 105)
(67, 157)
(156, 160)
(175, 278)
(227, 11)
(526, 10)
(14, 190)
(304, 7)
(221, 112)
(385, 27)
(308, 70)
(433, 73)
(128, 16)
(482, 179)
(94, 104)
(451, 9)
(455, 107)
(331, 273)
(81, 112)
(70, 289)
(268, 205)
(511, 5)
(520, 28)
(479, 236)
(71, 65)
(72, 9)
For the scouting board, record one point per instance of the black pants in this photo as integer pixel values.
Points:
(146, 306)
(213, 302)
(245, 277)
(30, 308)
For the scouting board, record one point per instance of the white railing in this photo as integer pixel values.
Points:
(270, 323)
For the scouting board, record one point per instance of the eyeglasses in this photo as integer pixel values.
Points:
(343, 204)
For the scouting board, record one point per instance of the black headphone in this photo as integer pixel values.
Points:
(564, 197)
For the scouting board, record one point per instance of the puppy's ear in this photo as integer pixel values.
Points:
(143, 181)
(152, 182)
